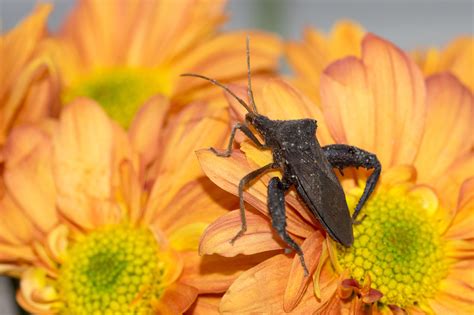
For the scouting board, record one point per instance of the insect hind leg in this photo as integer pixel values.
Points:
(341, 155)
(276, 206)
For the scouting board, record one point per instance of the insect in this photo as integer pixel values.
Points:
(304, 164)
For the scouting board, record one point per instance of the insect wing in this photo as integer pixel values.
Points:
(321, 191)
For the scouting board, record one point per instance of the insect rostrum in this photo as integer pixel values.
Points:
(305, 165)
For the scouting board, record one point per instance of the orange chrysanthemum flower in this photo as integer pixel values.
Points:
(121, 55)
(414, 249)
(28, 79)
(457, 57)
(310, 57)
(97, 220)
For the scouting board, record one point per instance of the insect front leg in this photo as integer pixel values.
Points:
(341, 155)
(276, 206)
(246, 130)
(243, 182)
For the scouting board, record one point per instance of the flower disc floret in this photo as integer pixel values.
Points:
(114, 269)
(400, 246)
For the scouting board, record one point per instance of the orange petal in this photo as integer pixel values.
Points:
(460, 249)
(456, 292)
(227, 173)
(17, 53)
(261, 290)
(16, 227)
(259, 236)
(201, 200)
(37, 292)
(450, 117)
(377, 103)
(57, 242)
(11, 270)
(29, 177)
(176, 299)
(456, 58)
(154, 30)
(449, 184)
(297, 281)
(224, 57)
(83, 163)
(460, 59)
(16, 253)
(29, 88)
(207, 304)
(461, 226)
(213, 273)
(131, 191)
(311, 57)
(197, 126)
(147, 126)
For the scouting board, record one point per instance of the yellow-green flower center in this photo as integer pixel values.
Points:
(110, 271)
(399, 245)
(120, 91)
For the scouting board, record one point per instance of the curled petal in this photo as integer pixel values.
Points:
(259, 236)
(36, 293)
(57, 242)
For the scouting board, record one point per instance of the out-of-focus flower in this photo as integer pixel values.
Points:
(28, 80)
(413, 250)
(310, 57)
(457, 57)
(121, 55)
(95, 219)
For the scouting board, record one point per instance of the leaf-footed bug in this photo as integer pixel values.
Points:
(304, 164)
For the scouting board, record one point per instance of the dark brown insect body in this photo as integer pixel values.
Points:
(305, 165)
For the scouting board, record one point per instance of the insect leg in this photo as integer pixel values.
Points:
(243, 182)
(276, 206)
(246, 131)
(341, 155)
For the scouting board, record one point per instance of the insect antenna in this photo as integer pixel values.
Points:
(215, 82)
(249, 86)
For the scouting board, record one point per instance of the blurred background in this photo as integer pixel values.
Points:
(409, 24)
